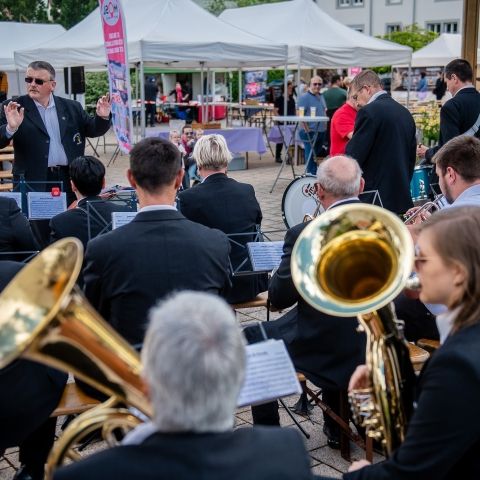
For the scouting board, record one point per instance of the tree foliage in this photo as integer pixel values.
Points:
(69, 12)
(412, 36)
(23, 11)
(248, 3)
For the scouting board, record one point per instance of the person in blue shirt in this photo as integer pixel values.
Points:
(313, 98)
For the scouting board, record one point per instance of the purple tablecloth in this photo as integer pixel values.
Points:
(275, 136)
(245, 139)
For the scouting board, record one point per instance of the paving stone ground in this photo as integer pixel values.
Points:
(261, 174)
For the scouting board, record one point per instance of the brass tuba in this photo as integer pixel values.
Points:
(354, 260)
(45, 317)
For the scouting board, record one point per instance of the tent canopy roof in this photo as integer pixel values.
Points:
(439, 52)
(15, 36)
(160, 33)
(313, 37)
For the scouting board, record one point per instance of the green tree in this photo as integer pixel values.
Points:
(248, 3)
(412, 36)
(23, 11)
(69, 12)
(216, 6)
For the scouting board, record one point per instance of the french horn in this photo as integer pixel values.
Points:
(44, 317)
(354, 260)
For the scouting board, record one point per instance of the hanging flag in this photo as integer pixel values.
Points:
(115, 39)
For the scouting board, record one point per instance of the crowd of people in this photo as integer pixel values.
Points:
(165, 281)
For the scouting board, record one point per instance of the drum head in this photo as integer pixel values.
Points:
(299, 199)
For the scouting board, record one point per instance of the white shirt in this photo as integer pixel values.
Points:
(445, 322)
(151, 208)
(349, 199)
(376, 95)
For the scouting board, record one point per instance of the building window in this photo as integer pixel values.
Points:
(393, 2)
(392, 27)
(443, 27)
(358, 28)
(450, 27)
(349, 3)
(434, 27)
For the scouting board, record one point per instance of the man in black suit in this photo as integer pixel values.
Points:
(383, 142)
(48, 132)
(15, 232)
(223, 203)
(194, 365)
(85, 221)
(459, 114)
(323, 347)
(160, 251)
(30, 393)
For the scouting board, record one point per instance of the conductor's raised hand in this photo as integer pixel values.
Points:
(104, 106)
(14, 115)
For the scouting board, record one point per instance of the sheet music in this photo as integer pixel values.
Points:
(122, 218)
(17, 196)
(265, 256)
(43, 205)
(269, 374)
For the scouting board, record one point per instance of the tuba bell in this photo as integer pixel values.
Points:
(353, 261)
(45, 317)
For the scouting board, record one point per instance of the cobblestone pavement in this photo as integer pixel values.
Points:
(261, 174)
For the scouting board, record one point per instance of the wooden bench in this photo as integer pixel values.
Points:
(418, 356)
(428, 344)
(74, 401)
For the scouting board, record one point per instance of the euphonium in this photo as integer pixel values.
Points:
(354, 260)
(44, 317)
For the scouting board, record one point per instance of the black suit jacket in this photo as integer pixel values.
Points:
(260, 453)
(15, 232)
(326, 349)
(31, 141)
(223, 203)
(30, 391)
(74, 222)
(129, 269)
(443, 437)
(384, 144)
(457, 116)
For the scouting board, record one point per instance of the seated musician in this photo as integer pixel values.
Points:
(15, 232)
(87, 178)
(30, 393)
(324, 348)
(128, 269)
(457, 165)
(222, 202)
(194, 362)
(443, 436)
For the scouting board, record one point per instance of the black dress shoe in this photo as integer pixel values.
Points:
(333, 437)
(278, 160)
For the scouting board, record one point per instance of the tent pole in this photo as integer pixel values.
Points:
(201, 90)
(69, 75)
(285, 90)
(409, 82)
(142, 98)
(137, 91)
(18, 82)
(213, 95)
(208, 93)
(239, 85)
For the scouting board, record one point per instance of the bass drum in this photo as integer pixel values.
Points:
(299, 199)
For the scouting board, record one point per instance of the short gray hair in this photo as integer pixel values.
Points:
(340, 176)
(211, 152)
(41, 65)
(194, 363)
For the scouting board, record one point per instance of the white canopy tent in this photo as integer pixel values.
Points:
(171, 33)
(314, 38)
(15, 36)
(439, 52)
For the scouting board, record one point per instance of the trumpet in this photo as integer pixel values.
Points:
(428, 207)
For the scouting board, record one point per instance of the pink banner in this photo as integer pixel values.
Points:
(115, 38)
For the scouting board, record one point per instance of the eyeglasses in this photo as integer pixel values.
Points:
(37, 81)
(355, 97)
(188, 133)
(317, 84)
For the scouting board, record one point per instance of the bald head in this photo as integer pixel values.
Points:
(340, 177)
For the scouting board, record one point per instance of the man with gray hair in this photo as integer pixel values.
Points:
(194, 366)
(323, 347)
(222, 202)
(383, 142)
